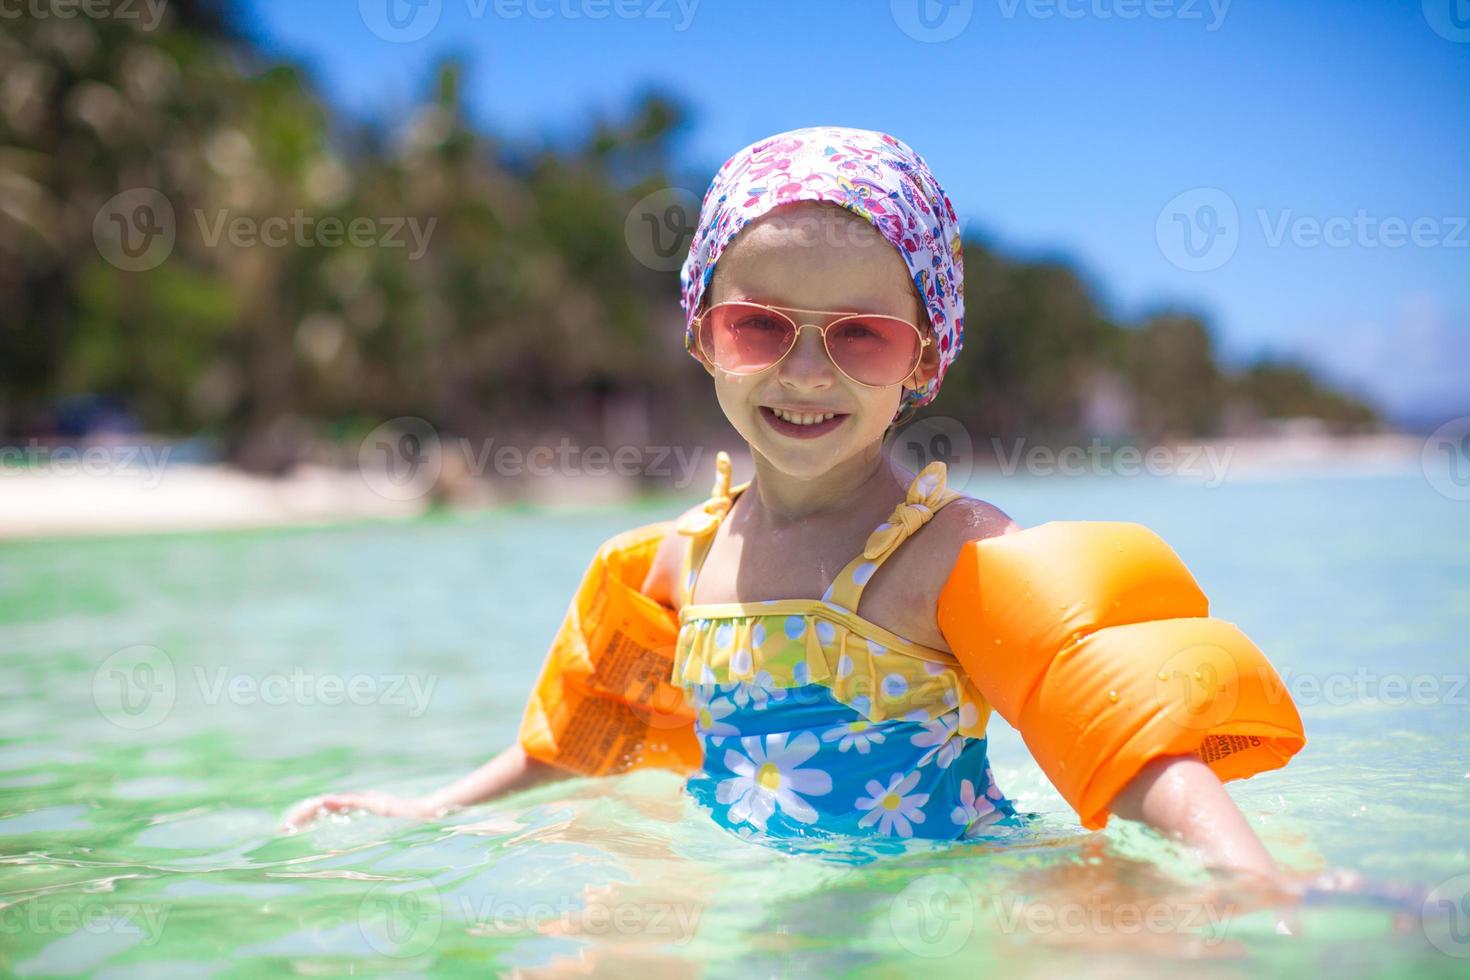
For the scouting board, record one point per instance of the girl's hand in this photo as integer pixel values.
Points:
(509, 771)
(383, 804)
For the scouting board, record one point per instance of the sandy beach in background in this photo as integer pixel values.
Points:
(69, 499)
(42, 502)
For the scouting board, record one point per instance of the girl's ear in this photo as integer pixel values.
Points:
(928, 365)
(699, 354)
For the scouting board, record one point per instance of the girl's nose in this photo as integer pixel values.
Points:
(808, 366)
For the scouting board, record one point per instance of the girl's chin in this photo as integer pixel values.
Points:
(807, 459)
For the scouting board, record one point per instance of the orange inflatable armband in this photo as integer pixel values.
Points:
(604, 702)
(1095, 642)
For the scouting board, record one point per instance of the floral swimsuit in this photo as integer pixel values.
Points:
(814, 720)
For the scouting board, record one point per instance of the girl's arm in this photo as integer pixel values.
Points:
(509, 771)
(1177, 794)
(1181, 797)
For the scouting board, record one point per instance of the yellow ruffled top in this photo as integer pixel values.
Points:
(788, 643)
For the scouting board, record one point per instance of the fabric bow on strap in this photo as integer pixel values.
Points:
(709, 515)
(924, 496)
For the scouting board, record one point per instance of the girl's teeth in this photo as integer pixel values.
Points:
(803, 419)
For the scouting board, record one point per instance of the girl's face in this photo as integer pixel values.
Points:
(813, 256)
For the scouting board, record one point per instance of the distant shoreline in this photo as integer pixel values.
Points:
(76, 498)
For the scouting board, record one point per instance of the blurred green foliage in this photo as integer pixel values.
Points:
(527, 313)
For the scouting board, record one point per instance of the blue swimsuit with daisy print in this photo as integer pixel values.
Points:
(815, 721)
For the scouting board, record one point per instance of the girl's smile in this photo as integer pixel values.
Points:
(802, 423)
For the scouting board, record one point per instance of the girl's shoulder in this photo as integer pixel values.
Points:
(967, 519)
(662, 581)
(904, 593)
(936, 548)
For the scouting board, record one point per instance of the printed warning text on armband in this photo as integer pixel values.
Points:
(1216, 747)
(602, 737)
(629, 669)
(629, 659)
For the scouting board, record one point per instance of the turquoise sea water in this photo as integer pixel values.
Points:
(167, 697)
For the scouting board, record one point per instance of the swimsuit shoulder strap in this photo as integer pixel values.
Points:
(700, 525)
(927, 494)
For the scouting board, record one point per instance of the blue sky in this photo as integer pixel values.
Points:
(1100, 131)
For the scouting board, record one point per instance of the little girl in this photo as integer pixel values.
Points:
(831, 555)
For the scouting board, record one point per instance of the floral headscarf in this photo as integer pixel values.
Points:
(871, 174)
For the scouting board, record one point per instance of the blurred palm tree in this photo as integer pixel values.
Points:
(517, 310)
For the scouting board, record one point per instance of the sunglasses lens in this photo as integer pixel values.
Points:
(874, 350)
(742, 338)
